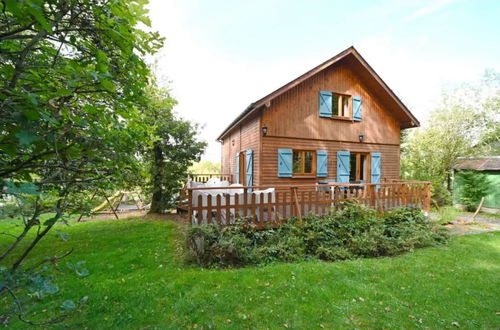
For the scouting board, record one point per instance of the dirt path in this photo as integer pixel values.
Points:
(462, 225)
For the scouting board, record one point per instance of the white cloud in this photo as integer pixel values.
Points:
(432, 7)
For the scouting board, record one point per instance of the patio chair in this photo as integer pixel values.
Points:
(264, 196)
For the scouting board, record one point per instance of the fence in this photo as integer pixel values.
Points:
(224, 205)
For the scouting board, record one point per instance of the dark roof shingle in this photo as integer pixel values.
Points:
(478, 163)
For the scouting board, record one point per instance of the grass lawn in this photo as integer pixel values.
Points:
(137, 281)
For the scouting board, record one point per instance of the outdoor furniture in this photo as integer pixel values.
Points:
(263, 195)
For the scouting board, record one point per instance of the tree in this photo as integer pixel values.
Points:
(71, 110)
(205, 167)
(174, 149)
(465, 124)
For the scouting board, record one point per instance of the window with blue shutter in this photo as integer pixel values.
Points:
(285, 163)
(249, 167)
(343, 166)
(356, 108)
(325, 103)
(237, 168)
(321, 163)
(376, 167)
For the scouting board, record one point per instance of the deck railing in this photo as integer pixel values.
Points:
(265, 205)
(206, 177)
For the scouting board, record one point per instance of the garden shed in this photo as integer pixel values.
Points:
(490, 166)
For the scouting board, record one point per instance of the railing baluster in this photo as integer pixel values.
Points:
(218, 209)
(209, 209)
(228, 209)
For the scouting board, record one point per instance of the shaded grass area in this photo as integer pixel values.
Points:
(137, 280)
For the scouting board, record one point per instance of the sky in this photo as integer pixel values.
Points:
(220, 56)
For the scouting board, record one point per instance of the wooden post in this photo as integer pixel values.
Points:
(297, 206)
(373, 200)
(427, 202)
(473, 218)
(111, 207)
(190, 205)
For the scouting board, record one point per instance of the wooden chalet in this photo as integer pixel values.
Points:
(331, 135)
(338, 122)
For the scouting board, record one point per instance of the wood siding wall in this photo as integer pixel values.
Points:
(246, 136)
(295, 113)
(270, 145)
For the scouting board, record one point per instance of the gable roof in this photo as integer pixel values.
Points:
(491, 163)
(410, 120)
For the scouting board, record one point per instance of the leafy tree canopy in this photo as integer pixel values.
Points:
(73, 107)
(466, 123)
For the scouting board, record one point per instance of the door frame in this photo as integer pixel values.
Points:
(367, 167)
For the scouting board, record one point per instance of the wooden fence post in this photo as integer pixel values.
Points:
(299, 214)
(373, 191)
(190, 205)
(427, 202)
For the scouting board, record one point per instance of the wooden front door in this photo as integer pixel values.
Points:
(243, 169)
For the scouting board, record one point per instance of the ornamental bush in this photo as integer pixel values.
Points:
(354, 231)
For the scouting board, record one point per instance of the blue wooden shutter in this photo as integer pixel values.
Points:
(356, 108)
(343, 166)
(249, 167)
(325, 103)
(285, 163)
(237, 168)
(321, 163)
(375, 167)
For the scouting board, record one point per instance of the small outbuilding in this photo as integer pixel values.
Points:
(490, 166)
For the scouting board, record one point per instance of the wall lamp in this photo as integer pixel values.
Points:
(232, 142)
(361, 137)
(264, 130)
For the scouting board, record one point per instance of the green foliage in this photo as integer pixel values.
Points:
(175, 146)
(473, 186)
(466, 123)
(205, 167)
(73, 107)
(354, 231)
(447, 214)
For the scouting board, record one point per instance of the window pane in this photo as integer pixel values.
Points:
(352, 171)
(345, 106)
(335, 105)
(308, 162)
(297, 162)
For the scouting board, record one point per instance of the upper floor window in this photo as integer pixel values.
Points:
(340, 105)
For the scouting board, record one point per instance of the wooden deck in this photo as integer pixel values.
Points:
(263, 206)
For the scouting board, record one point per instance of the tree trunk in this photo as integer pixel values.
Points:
(156, 202)
(449, 181)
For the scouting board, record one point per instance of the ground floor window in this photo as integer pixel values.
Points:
(304, 162)
(359, 166)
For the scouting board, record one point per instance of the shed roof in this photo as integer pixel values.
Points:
(491, 163)
(409, 119)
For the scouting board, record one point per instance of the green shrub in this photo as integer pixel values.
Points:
(473, 187)
(353, 231)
